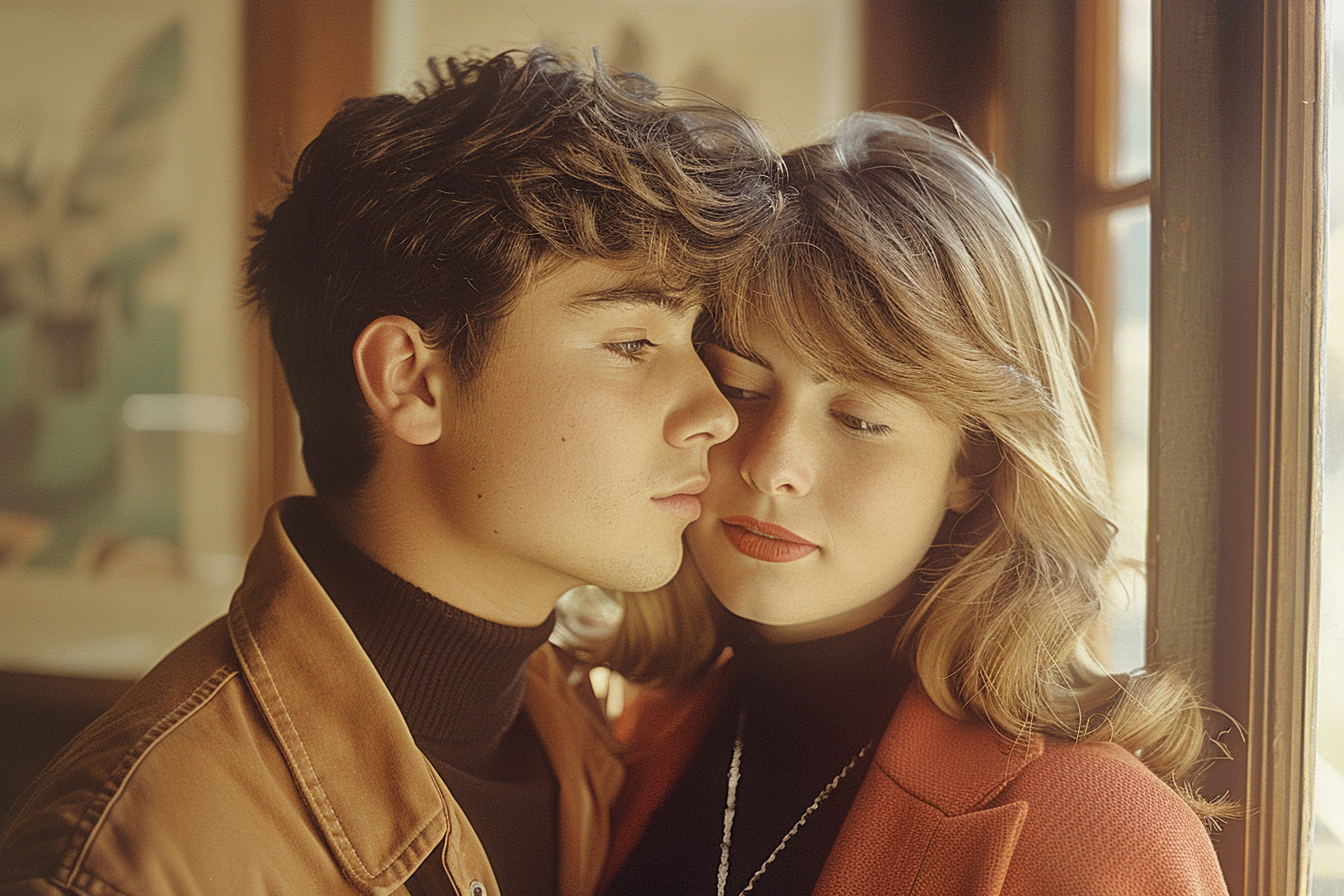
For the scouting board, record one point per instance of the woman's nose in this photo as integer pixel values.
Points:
(776, 456)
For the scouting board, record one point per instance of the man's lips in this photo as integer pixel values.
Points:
(685, 503)
(765, 541)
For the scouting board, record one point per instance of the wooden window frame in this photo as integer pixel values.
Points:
(1238, 274)
(1237, 287)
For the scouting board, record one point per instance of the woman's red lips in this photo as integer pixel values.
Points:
(765, 541)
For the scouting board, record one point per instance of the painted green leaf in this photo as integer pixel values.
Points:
(129, 263)
(118, 156)
(19, 184)
(153, 78)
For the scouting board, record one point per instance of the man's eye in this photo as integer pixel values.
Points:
(633, 349)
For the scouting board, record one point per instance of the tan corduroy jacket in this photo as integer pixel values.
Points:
(950, 808)
(264, 755)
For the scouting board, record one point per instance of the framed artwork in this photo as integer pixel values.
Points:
(790, 64)
(122, 418)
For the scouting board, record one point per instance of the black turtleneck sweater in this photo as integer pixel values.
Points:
(458, 681)
(809, 709)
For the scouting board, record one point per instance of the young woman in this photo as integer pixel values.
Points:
(908, 544)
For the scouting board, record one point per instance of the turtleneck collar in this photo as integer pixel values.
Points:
(839, 689)
(456, 677)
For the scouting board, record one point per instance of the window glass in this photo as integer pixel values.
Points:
(1122, 141)
(1134, 78)
(1328, 832)
(1128, 248)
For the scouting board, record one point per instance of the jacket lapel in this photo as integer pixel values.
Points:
(924, 821)
(369, 790)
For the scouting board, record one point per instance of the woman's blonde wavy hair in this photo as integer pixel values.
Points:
(902, 259)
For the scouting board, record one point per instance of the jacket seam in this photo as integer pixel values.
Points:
(940, 802)
(928, 840)
(55, 884)
(87, 878)
(308, 778)
(91, 821)
(900, 785)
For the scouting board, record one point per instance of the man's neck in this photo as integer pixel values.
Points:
(456, 677)
(418, 547)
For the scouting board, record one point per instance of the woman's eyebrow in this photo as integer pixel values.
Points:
(744, 353)
(750, 356)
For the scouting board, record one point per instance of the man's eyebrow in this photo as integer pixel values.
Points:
(670, 300)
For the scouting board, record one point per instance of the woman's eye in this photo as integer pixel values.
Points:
(849, 421)
(733, 393)
(632, 349)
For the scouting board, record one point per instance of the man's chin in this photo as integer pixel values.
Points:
(645, 573)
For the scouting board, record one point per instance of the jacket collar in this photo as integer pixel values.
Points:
(925, 818)
(377, 801)
(956, 765)
(370, 791)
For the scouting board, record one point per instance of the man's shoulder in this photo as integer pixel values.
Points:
(154, 768)
(263, 750)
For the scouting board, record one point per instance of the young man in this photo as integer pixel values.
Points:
(483, 299)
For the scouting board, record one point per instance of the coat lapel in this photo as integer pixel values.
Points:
(924, 821)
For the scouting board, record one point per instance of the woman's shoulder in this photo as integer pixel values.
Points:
(1092, 811)
(1102, 783)
(1097, 800)
(935, 752)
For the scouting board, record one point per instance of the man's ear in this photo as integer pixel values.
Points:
(402, 378)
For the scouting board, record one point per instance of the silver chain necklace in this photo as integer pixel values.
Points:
(730, 809)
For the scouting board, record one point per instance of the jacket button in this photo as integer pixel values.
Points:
(477, 888)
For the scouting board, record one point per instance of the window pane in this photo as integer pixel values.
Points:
(1133, 102)
(1128, 242)
(1328, 837)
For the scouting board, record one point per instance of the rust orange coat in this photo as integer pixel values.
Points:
(950, 808)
